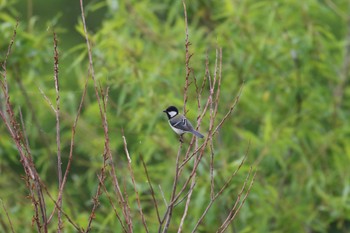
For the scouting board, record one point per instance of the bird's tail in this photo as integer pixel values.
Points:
(197, 134)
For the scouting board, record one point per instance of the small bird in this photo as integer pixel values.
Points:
(179, 123)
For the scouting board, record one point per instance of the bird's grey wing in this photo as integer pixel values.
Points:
(182, 124)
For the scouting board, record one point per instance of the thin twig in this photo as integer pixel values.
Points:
(95, 198)
(231, 109)
(163, 196)
(218, 89)
(183, 198)
(112, 204)
(199, 120)
(213, 199)
(212, 119)
(193, 182)
(198, 94)
(31, 196)
(47, 100)
(206, 73)
(187, 206)
(9, 48)
(75, 225)
(187, 58)
(58, 130)
(211, 168)
(107, 153)
(72, 142)
(236, 204)
(124, 201)
(201, 116)
(32, 178)
(170, 208)
(151, 188)
(127, 206)
(30, 107)
(134, 183)
(36, 187)
(201, 147)
(189, 178)
(26, 140)
(235, 210)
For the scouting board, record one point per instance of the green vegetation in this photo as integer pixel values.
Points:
(294, 109)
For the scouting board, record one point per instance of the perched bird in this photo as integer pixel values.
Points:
(179, 123)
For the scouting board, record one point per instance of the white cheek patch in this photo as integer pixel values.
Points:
(172, 113)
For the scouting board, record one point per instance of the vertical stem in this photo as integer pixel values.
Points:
(187, 58)
(169, 211)
(58, 137)
(134, 183)
(193, 183)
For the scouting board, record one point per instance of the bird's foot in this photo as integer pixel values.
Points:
(181, 139)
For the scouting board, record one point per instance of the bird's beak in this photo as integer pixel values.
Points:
(164, 111)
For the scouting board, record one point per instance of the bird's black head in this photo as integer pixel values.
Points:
(171, 111)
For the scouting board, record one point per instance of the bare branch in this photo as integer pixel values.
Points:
(112, 204)
(107, 153)
(134, 183)
(70, 158)
(234, 211)
(151, 188)
(187, 205)
(57, 206)
(187, 58)
(58, 130)
(170, 208)
(231, 109)
(213, 198)
(47, 100)
(4, 64)
(164, 199)
(32, 178)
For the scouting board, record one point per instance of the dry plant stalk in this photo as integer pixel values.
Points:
(58, 127)
(107, 155)
(134, 183)
(31, 177)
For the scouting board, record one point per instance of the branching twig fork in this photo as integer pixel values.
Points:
(213, 198)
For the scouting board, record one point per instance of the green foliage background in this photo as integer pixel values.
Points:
(290, 54)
